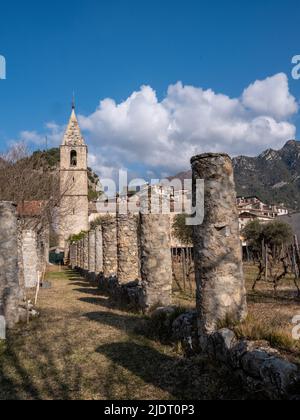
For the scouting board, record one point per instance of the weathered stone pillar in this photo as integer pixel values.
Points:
(156, 260)
(21, 262)
(30, 258)
(41, 252)
(81, 254)
(86, 253)
(221, 290)
(128, 251)
(77, 254)
(110, 259)
(9, 281)
(46, 242)
(73, 255)
(92, 252)
(99, 250)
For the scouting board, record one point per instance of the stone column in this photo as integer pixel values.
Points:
(110, 260)
(99, 250)
(46, 241)
(41, 251)
(21, 262)
(9, 281)
(30, 258)
(86, 253)
(221, 289)
(128, 252)
(73, 255)
(156, 260)
(77, 254)
(92, 252)
(81, 254)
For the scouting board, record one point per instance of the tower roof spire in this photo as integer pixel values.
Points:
(73, 136)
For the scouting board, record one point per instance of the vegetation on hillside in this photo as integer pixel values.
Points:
(19, 167)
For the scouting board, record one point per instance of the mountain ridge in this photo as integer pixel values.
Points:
(273, 176)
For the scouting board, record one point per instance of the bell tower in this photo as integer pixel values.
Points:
(74, 208)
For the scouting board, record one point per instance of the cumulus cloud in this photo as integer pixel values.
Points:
(146, 135)
(53, 135)
(162, 135)
(271, 97)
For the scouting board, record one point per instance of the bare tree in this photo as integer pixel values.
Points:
(32, 184)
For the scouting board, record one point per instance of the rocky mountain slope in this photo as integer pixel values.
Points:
(274, 176)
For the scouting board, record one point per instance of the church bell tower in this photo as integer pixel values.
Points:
(74, 208)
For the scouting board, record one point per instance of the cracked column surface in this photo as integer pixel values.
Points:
(221, 292)
(128, 251)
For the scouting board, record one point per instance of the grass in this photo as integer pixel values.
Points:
(82, 347)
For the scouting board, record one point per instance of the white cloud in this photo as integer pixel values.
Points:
(162, 135)
(146, 135)
(271, 97)
(53, 135)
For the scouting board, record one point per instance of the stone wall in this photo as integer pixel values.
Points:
(128, 250)
(9, 280)
(261, 368)
(221, 291)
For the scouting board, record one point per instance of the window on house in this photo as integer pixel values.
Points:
(73, 158)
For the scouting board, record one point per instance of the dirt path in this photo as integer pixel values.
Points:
(83, 348)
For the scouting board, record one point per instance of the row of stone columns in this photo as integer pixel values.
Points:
(131, 247)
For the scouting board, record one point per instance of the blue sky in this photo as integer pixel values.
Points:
(109, 49)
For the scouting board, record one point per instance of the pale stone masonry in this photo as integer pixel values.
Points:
(128, 250)
(221, 289)
(73, 255)
(73, 183)
(110, 258)
(92, 252)
(9, 280)
(43, 248)
(82, 254)
(20, 261)
(30, 258)
(99, 250)
(86, 253)
(156, 260)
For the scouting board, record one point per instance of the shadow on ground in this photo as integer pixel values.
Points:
(78, 352)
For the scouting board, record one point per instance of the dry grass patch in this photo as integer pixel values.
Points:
(82, 347)
(270, 315)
